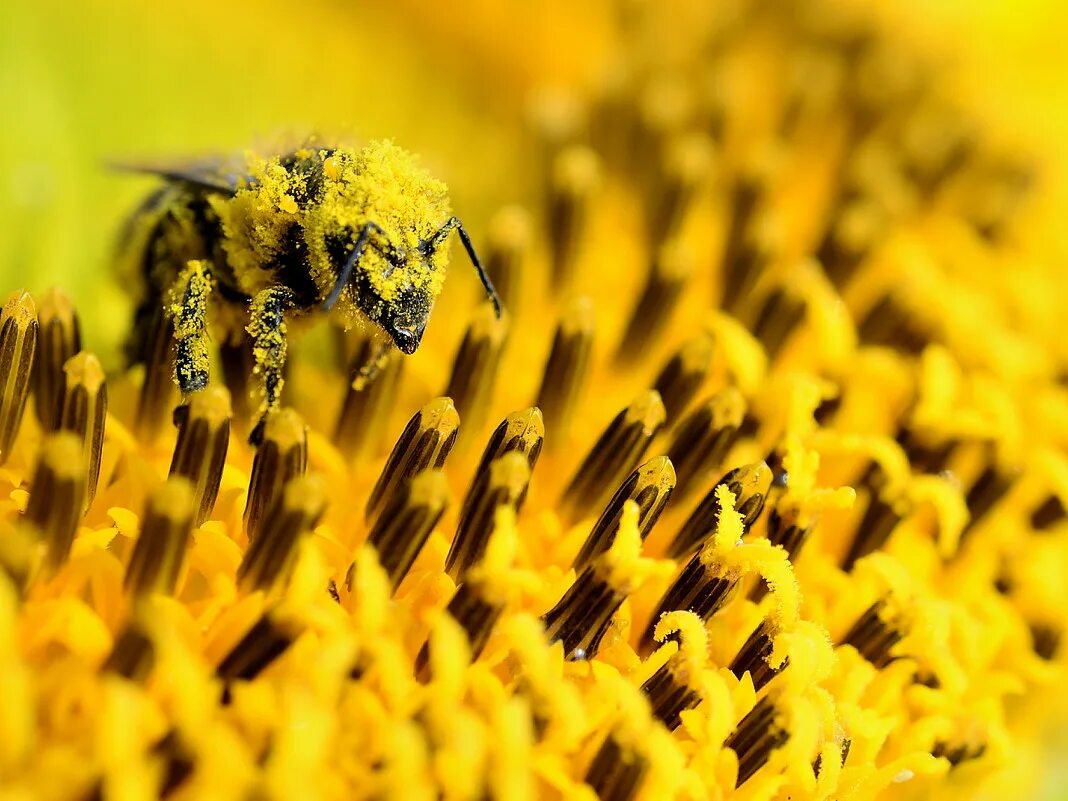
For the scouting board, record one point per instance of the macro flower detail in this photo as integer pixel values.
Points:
(743, 476)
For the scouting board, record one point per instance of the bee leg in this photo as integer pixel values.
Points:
(188, 306)
(350, 263)
(268, 331)
(371, 368)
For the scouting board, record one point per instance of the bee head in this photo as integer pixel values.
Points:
(405, 318)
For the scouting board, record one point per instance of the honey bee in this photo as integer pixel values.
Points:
(358, 233)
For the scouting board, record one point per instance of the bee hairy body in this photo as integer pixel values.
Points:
(356, 233)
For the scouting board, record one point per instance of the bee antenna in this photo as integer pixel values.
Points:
(350, 263)
(483, 276)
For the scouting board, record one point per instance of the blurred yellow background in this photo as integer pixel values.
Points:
(82, 83)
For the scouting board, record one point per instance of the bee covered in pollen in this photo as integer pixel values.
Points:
(356, 233)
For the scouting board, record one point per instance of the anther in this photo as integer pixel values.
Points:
(18, 344)
(474, 370)
(760, 245)
(582, 616)
(687, 162)
(703, 438)
(200, 450)
(855, 229)
(84, 411)
(989, 488)
(1045, 641)
(702, 588)
(178, 762)
(575, 175)
(754, 739)
(748, 484)
(426, 442)
(779, 314)
(656, 302)
(157, 389)
(271, 554)
(785, 530)
(282, 456)
(925, 456)
(873, 635)
(752, 658)
(616, 772)
(892, 324)
(747, 197)
(367, 404)
(133, 655)
(59, 338)
(650, 487)
(476, 614)
(682, 376)
(267, 640)
(566, 367)
(669, 695)
(404, 525)
(509, 240)
(956, 754)
(509, 475)
(238, 367)
(1048, 514)
(880, 518)
(159, 551)
(614, 454)
(57, 495)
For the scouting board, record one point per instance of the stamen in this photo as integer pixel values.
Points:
(890, 323)
(474, 369)
(701, 588)
(581, 617)
(686, 164)
(566, 367)
(177, 762)
(955, 755)
(132, 656)
(616, 773)
(857, 226)
(614, 454)
(992, 485)
(754, 739)
(575, 175)
(509, 240)
(367, 404)
(1048, 514)
(84, 411)
(160, 549)
(782, 310)
(753, 656)
(703, 438)
(673, 688)
(684, 373)
(270, 556)
(656, 302)
(748, 484)
(267, 640)
(509, 476)
(873, 636)
(280, 457)
(760, 245)
(1045, 640)
(880, 519)
(925, 456)
(522, 431)
(785, 530)
(669, 697)
(157, 389)
(747, 197)
(404, 525)
(200, 451)
(475, 614)
(18, 344)
(59, 338)
(650, 487)
(57, 495)
(238, 367)
(425, 443)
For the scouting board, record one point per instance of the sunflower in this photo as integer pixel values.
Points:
(756, 490)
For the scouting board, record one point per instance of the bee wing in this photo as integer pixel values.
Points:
(220, 175)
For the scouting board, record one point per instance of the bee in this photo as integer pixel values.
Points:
(357, 233)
